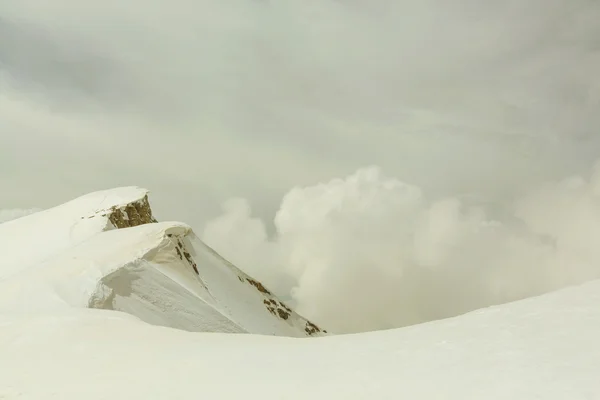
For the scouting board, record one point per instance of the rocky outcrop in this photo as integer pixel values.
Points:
(129, 215)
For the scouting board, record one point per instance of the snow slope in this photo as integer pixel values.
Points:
(158, 272)
(52, 231)
(61, 338)
(540, 348)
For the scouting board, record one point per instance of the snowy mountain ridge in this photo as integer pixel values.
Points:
(91, 291)
(106, 250)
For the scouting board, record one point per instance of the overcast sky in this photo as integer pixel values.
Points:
(207, 99)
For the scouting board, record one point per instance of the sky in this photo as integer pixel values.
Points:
(205, 101)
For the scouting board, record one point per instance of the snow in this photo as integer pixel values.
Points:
(541, 348)
(53, 345)
(54, 230)
(84, 262)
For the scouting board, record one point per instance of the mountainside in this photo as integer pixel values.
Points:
(106, 250)
(540, 348)
(66, 270)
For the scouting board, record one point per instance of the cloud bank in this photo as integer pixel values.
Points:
(370, 252)
(208, 100)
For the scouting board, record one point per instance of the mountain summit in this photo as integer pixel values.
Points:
(106, 250)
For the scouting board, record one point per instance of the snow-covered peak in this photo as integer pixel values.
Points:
(106, 250)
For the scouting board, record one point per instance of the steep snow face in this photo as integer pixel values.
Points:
(540, 348)
(158, 272)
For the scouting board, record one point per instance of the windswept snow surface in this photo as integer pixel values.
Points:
(72, 256)
(540, 348)
(39, 236)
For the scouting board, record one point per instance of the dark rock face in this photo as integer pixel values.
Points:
(132, 214)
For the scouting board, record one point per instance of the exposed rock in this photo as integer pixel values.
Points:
(132, 214)
(283, 314)
(258, 285)
(311, 328)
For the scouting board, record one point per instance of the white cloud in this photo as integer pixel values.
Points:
(253, 97)
(370, 252)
